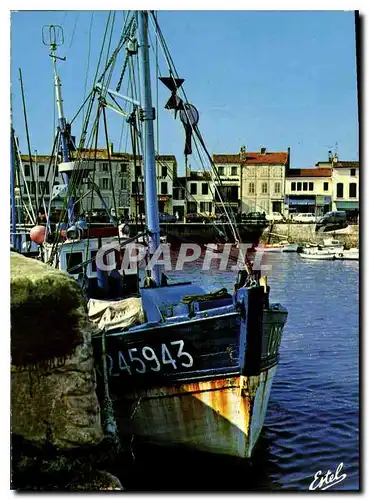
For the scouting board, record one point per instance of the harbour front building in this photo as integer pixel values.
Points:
(263, 181)
(117, 178)
(227, 182)
(200, 192)
(309, 190)
(345, 187)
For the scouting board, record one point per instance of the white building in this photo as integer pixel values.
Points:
(345, 185)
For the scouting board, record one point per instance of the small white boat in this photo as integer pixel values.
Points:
(318, 255)
(289, 247)
(277, 247)
(352, 254)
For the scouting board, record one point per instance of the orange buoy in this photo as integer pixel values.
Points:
(37, 234)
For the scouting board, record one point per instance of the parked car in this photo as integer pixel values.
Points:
(194, 217)
(274, 217)
(165, 217)
(332, 218)
(254, 217)
(304, 218)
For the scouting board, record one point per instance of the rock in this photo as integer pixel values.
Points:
(53, 379)
(47, 312)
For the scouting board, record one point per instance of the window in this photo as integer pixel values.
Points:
(352, 190)
(304, 186)
(191, 207)
(164, 188)
(134, 188)
(311, 186)
(178, 193)
(353, 172)
(234, 170)
(123, 168)
(123, 184)
(43, 188)
(164, 171)
(221, 170)
(325, 186)
(31, 187)
(205, 206)
(299, 186)
(204, 188)
(27, 170)
(277, 187)
(264, 187)
(104, 183)
(193, 188)
(340, 190)
(138, 171)
(93, 263)
(251, 188)
(104, 167)
(41, 170)
(74, 259)
(293, 186)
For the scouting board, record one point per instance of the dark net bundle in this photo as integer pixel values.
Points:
(47, 313)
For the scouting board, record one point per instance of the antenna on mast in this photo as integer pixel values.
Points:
(53, 37)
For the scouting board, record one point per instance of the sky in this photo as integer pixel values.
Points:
(273, 79)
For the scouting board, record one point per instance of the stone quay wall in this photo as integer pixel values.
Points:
(306, 233)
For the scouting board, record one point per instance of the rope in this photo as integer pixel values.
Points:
(220, 294)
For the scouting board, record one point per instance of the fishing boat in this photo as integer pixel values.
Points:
(176, 364)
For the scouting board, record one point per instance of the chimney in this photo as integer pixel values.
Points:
(110, 148)
(330, 156)
(243, 153)
(263, 151)
(188, 171)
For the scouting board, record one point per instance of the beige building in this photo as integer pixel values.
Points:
(263, 181)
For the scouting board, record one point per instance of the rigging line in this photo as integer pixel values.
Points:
(229, 214)
(74, 29)
(80, 108)
(26, 185)
(27, 135)
(110, 168)
(88, 57)
(124, 37)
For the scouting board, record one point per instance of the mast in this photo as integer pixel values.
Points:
(55, 38)
(12, 191)
(147, 115)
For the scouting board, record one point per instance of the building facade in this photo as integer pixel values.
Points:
(227, 182)
(309, 190)
(118, 178)
(345, 186)
(263, 177)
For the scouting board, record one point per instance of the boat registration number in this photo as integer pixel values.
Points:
(146, 359)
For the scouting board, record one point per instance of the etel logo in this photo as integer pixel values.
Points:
(323, 482)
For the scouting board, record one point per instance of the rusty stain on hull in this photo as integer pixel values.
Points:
(220, 416)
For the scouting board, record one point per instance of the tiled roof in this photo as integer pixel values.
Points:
(273, 158)
(279, 158)
(309, 172)
(346, 164)
(226, 158)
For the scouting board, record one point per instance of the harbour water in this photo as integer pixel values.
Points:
(312, 422)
